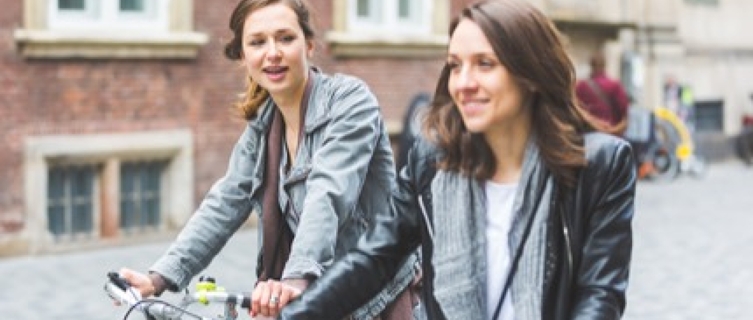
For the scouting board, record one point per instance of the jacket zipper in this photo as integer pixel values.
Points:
(568, 242)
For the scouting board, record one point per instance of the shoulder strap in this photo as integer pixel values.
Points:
(603, 97)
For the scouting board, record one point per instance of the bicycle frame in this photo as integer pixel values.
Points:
(207, 293)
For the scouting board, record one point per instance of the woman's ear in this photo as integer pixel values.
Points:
(310, 48)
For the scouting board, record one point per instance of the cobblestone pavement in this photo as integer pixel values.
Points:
(693, 259)
(693, 247)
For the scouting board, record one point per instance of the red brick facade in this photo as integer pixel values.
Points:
(85, 96)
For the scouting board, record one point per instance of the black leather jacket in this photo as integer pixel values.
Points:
(588, 247)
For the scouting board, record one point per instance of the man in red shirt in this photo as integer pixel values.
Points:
(603, 97)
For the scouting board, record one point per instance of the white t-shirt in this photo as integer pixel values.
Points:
(499, 203)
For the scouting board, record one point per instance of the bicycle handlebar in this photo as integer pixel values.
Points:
(119, 290)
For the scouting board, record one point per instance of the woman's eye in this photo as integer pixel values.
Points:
(484, 63)
(452, 65)
(256, 43)
(287, 39)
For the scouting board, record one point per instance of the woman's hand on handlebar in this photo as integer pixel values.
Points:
(269, 297)
(138, 281)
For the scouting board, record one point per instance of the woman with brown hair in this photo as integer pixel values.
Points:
(521, 209)
(314, 162)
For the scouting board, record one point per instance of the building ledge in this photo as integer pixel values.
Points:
(406, 46)
(46, 44)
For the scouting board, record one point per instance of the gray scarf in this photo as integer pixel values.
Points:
(459, 257)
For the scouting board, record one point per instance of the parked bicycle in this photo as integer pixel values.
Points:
(668, 149)
(207, 292)
(744, 141)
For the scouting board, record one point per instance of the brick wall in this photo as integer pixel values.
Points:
(13, 90)
(84, 96)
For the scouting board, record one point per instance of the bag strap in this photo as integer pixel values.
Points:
(596, 88)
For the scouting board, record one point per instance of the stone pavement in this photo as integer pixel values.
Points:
(70, 286)
(693, 259)
(693, 247)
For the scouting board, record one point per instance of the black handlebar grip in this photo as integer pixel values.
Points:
(119, 281)
(246, 303)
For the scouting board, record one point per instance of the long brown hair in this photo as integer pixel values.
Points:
(255, 95)
(529, 46)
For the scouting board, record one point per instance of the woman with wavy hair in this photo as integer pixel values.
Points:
(314, 161)
(521, 208)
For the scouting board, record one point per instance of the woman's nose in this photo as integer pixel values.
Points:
(273, 51)
(465, 79)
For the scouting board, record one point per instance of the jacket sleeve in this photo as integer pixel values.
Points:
(222, 211)
(608, 193)
(338, 172)
(361, 273)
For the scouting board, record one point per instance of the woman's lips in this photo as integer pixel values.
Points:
(275, 73)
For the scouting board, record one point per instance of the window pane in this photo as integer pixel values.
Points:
(56, 184)
(82, 218)
(56, 220)
(409, 10)
(70, 204)
(71, 5)
(363, 8)
(404, 9)
(132, 5)
(703, 2)
(140, 195)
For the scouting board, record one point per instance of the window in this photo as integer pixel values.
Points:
(108, 29)
(146, 15)
(389, 28)
(392, 16)
(84, 188)
(703, 2)
(709, 115)
(140, 185)
(70, 201)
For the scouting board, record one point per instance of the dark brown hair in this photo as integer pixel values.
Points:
(255, 95)
(528, 44)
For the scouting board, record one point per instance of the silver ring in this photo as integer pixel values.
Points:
(274, 300)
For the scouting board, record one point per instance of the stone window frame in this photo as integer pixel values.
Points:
(344, 42)
(37, 40)
(107, 15)
(108, 151)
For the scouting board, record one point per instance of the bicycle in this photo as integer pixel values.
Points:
(668, 147)
(153, 309)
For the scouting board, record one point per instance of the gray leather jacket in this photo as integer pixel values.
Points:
(342, 177)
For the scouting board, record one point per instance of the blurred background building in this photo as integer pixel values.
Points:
(115, 115)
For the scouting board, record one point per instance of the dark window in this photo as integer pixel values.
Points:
(71, 4)
(404, 9)
(140, 195)
(703, 2)
(363, 8)
(709, 115)
(70, 200)
(132, 5)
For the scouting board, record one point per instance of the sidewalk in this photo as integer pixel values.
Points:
(69, 286)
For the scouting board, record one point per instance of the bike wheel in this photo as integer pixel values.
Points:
(666, 165)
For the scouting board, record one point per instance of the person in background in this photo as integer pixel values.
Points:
(604, 98)
(314, 161)
(521, 208)
(679, 99)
